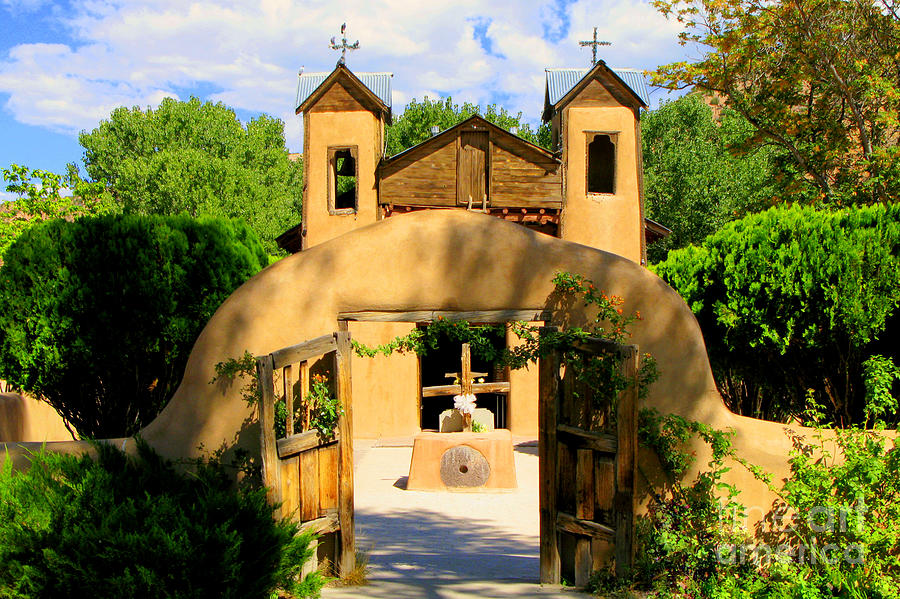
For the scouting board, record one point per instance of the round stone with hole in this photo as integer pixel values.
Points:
(464, 466)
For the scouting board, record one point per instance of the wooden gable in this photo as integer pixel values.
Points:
(342, 91)
(474, 163)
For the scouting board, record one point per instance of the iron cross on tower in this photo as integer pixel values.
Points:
(344, 46)
(593, 43)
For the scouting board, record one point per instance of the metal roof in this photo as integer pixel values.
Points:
(560, 81)
(378, 83)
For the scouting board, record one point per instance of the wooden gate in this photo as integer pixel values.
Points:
(310, 477)
(587, 468)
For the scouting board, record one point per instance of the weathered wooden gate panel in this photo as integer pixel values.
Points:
(587, 468)
(309, 476)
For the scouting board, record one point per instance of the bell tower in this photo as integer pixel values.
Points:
(595, 123)
(344, 115)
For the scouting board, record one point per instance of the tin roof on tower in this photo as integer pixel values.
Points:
(378, 83)
(561, 81)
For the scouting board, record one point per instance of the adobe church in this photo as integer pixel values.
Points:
(588, 191)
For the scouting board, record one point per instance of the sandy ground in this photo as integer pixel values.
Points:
(444, 544)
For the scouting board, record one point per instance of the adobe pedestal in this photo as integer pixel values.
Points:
(462, 462)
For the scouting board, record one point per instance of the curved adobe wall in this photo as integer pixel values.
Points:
(452, 260)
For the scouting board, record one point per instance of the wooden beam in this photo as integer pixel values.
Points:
(437, 390)
(303, 351)
(301, 442)
(578, 437)
(271, 468)
(480, 316)
(584, 528)
(584, 510)
(342, 357)
(324, 525)
(598, 345)
(548, 450)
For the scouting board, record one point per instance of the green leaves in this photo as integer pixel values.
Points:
(697, 177)
(414, 125)
(817, 79)
(100, 314)
(789, 300)
(198, 159)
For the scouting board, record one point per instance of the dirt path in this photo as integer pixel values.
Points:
(443, 545)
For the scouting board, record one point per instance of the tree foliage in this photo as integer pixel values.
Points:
(197, 158)
(693, 184)
(819, 79)
(40, 198)
(122, 527)
(99, 315)
(414, 125)
(792, 301)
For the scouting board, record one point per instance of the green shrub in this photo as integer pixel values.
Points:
(121, 527)
(99, 315)
(792, 301)
(832, 533)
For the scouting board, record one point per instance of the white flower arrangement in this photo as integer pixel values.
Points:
(464, 403)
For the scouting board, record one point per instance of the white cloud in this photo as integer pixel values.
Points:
(136, 52)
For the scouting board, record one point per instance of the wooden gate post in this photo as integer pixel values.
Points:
(271, 467)
(626, 463)
(345, 447)
(548, 462)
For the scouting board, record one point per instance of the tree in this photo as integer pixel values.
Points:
(414, 125)
(99, 315)
(818, 79)
(40, 199)
(792, 302)
(692, 183)
(198, 159)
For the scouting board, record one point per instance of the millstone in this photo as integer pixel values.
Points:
(463, 466)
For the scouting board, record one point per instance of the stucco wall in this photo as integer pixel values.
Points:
(608, 221)
(25, 419)
(437, 261)
(328, 129)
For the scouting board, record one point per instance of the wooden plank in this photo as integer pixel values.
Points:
(584, 562)
(304, 391)
(324, 524)
(271, 468)
(309, 485)
(584, 528)
(441, 390)
(303, 351)
(604, 483)
(342, 356)
(548, 449)
(301, 442)
(290, 488)
(329, 473)
(626, 465)
(288, 386)
(584, 484)
(476, 316)
(471, 168)
(573, 435)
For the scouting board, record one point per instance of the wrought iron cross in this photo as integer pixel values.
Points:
(344, 46)
(593, 43)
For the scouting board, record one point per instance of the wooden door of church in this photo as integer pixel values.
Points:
(471, 169)
(309, 474)
(588, 462)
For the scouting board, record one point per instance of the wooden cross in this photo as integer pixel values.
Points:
(344, 46)
(594, 43)
(466, 377)
(466, 384)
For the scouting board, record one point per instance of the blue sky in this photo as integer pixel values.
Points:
(65, 65)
